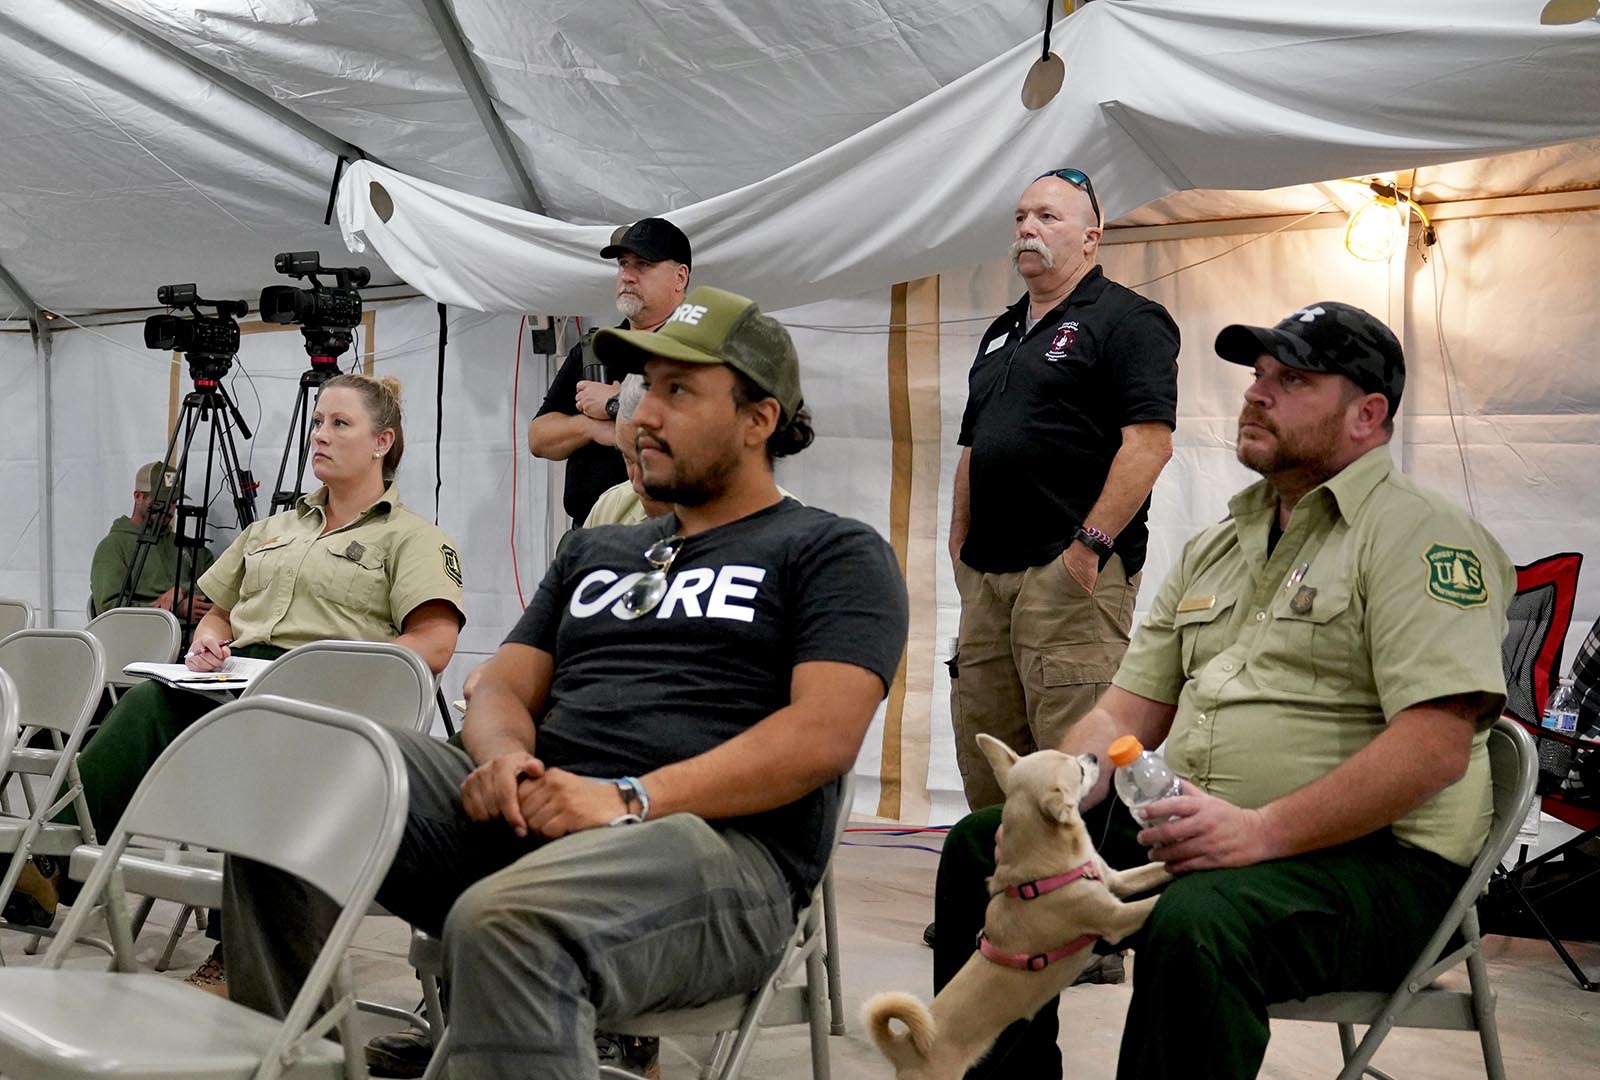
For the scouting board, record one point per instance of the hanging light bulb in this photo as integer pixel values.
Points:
(1378, 229)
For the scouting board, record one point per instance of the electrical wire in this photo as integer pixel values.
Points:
(1448, 367)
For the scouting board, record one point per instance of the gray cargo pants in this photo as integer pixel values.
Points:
(542, 939)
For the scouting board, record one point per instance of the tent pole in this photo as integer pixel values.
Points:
(41, 328)
(43, 341)
(445, 25)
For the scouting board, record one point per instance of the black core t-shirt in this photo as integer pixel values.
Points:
(1044, 418)
(745, 603)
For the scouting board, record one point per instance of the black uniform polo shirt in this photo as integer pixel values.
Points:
(591, 468)
(1044, 418)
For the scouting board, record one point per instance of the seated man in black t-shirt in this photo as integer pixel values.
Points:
(700, 681)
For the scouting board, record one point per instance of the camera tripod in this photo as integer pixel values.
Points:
(324, 348)
(207, 404)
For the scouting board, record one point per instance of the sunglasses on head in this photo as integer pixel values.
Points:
(1080, 180)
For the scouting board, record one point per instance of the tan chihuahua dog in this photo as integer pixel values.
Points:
(1051, 897)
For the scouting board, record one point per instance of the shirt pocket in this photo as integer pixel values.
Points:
(263, 563)
(359, 582)
(1203, 633)
(1315, 649)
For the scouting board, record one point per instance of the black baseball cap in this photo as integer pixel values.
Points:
(652, 238)
(1329, 337)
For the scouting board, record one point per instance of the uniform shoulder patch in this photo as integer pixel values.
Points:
(452, 562)
(1455, 576)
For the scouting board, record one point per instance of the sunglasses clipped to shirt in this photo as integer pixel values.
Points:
(646, 592)
(1080, 180)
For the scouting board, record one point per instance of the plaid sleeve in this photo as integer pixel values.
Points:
(1586, 683)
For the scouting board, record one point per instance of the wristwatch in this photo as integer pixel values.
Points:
(611, 406)
(1095, 540)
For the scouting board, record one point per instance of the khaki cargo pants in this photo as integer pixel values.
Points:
(1034, 653)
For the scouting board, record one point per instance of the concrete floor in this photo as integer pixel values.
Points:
(1550, 1029)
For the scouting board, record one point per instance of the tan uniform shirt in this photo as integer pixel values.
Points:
(1380, 595)
(284, 583)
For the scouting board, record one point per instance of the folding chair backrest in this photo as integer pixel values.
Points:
(58, 675)
(1536, 626)
(132, 634)
(310, 790)
(14, 615)
(383, 682)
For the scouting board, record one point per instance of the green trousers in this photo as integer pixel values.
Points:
(1220, 946)
(142, 724)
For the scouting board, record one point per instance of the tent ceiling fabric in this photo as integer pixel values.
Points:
(1161, 97)
(123, 169)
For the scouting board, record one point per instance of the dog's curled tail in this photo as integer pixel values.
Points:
(910, 1049)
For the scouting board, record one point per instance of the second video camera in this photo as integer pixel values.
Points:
(326, 313)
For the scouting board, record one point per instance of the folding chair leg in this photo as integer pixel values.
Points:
(830, 945)
(816, 1003)
(141, 915)
(441, 1050)
(32, 947)
(1483, 1016)
(720, 1047)
(432, 1007)
(179, 925)
(1584, 981)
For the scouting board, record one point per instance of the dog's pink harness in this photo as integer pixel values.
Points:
(1032, 890)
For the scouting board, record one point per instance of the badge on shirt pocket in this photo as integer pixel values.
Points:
(357, 578)
(1065, 337)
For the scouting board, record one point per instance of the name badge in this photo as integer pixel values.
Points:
(995, 344)
(1197, 603)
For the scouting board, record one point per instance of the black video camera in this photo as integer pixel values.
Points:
(208, 342)
(325, 313)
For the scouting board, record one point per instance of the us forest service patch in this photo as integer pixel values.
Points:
(1455, 576)
(452, 562)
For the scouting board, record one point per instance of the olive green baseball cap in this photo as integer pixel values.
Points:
(714, 326)
(154, 475)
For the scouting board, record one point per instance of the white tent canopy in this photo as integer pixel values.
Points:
(820, 156)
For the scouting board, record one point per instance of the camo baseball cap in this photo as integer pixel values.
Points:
(152, 474)
(714, 326)
(1329, 337)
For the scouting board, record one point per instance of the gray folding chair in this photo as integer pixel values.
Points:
(1513, 764)
(14, 615)
(312, 791)
(795, 993)
(384, 682)
(132, 634)
(58, 675)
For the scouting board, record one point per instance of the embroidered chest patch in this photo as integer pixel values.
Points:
(1063, 340)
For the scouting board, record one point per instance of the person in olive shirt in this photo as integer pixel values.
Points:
(347, 562)
(1070, 409)
(158, 583)
(1322, 667)
(576, 423)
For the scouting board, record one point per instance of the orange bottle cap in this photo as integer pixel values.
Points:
(1125, 750)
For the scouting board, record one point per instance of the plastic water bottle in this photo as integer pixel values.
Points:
(1561, 713)
(1142, 777)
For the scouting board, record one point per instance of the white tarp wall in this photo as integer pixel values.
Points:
(1518, 332)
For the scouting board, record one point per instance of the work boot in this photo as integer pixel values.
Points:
(399, 1053)
(37, 895)
(1108, 970)
(640, 1055)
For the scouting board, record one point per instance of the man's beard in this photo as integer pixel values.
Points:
(694, 488)
(629, 305)
(1309, 451)
(1035, 245)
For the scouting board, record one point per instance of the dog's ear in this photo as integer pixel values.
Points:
(1001, 757)
(1059, 804)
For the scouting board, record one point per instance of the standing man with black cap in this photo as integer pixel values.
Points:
(577, 422)
(1322, 668)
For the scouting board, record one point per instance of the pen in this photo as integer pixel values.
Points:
(1296, 577)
